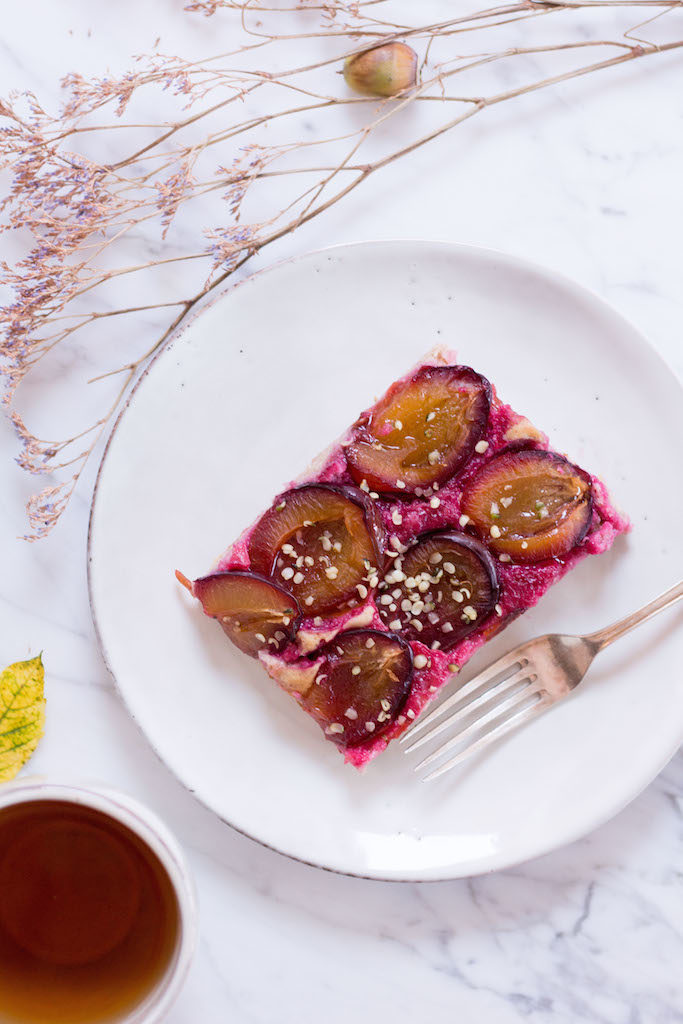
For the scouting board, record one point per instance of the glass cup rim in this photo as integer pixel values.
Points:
(145, 824)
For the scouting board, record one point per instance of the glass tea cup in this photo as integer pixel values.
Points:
(98, 915)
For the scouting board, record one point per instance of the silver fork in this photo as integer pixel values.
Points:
(517, 687)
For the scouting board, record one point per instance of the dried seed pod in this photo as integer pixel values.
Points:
(383, 71)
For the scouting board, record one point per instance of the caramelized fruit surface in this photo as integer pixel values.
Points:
(529, 504)
(320, 542)
(448, 587)
(423, 432)
(362, 686)
(254, 612)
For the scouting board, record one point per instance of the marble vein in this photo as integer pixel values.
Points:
(586, 181)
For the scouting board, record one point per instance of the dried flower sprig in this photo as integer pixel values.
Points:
(107, 175)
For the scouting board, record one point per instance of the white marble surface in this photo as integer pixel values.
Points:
(587, 180)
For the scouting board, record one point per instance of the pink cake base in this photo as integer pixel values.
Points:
(521, 586)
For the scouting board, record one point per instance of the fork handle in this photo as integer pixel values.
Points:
(609, 634)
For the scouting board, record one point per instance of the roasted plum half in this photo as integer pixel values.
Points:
(529, 504)
(254, 612)
(320, 542)
(422, 432)
(444, 587)
(361, 687)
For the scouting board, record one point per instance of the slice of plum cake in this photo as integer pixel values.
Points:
(438, 518)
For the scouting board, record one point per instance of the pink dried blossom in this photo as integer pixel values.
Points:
(82, 216)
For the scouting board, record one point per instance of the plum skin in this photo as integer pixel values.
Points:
(559, 538)
(266, 540)
(383, 473)
(328, 707)
(245, 643)
(484, 603)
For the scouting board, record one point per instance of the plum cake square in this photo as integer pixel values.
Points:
(438, 518)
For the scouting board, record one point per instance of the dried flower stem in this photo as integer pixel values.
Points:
(84, 213)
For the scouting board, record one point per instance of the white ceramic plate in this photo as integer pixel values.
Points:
(238, 403)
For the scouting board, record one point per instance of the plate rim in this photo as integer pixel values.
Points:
(548, 273)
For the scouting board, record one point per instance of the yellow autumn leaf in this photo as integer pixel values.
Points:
(22, 714)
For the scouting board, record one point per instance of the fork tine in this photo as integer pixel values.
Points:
(495, 673)
(494, 734)
(482, 695)
(497, 709)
